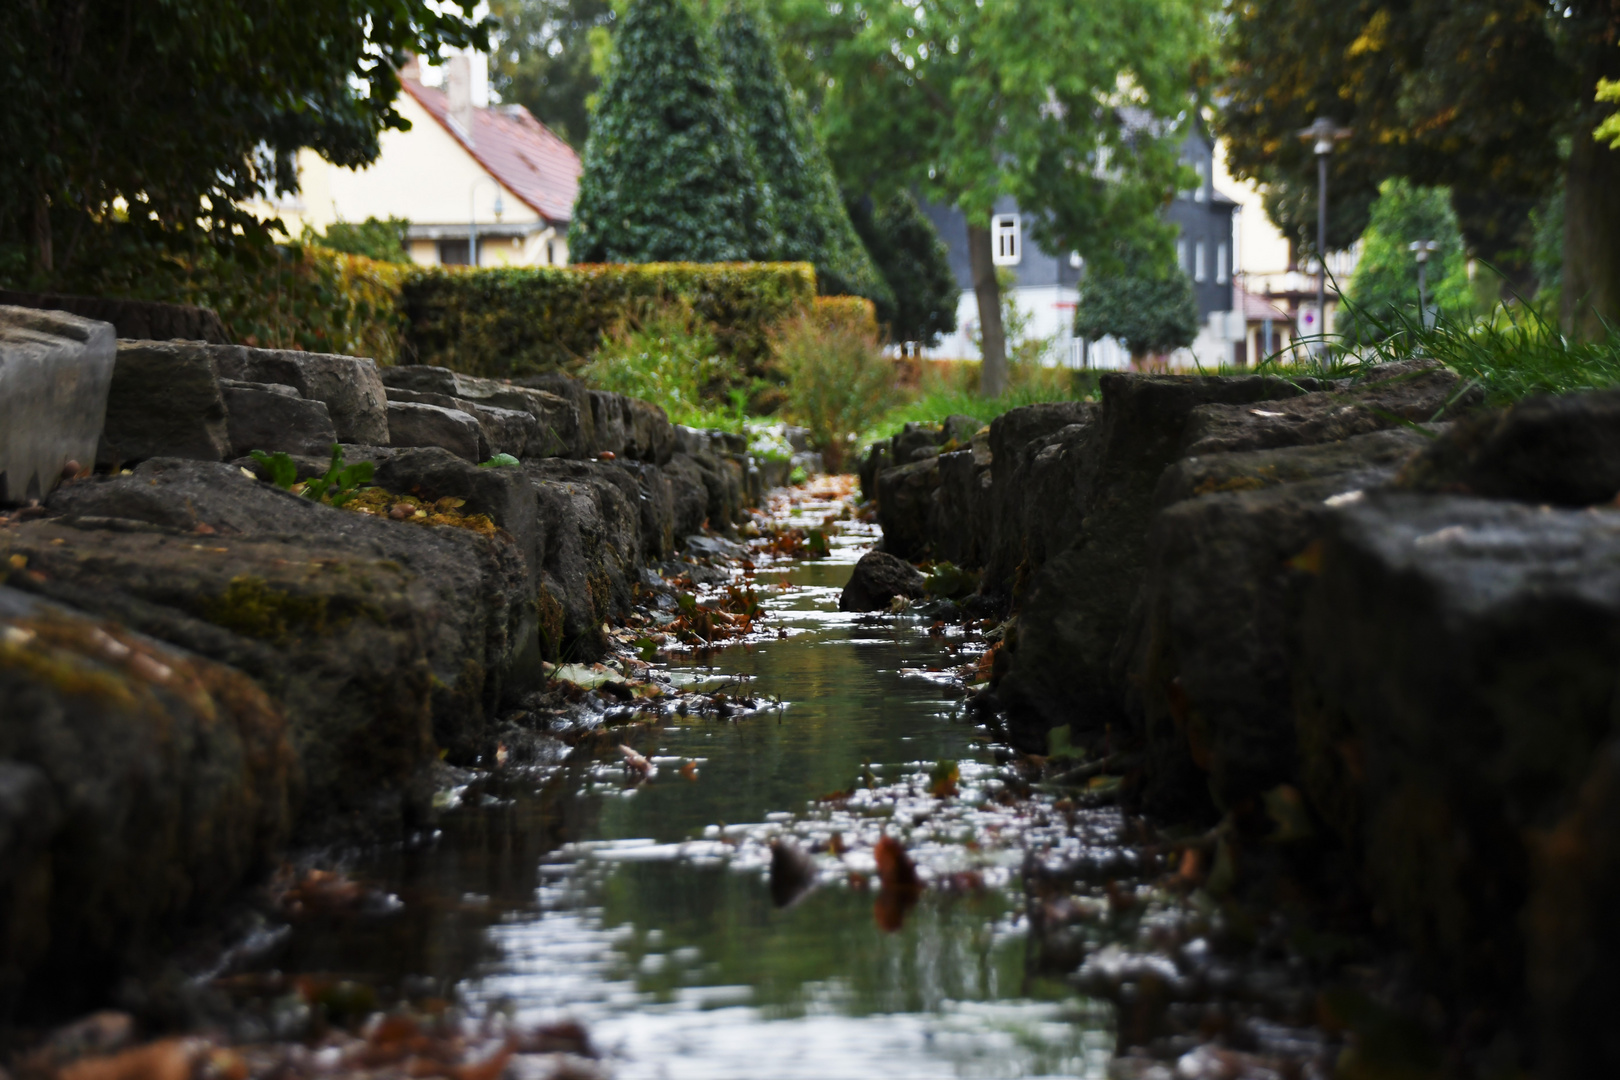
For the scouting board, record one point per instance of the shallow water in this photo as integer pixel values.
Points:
(644, 912)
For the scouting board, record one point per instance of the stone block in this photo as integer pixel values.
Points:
(270, 417)
(164, 401)
(501, 431)
(55, 373)
(562, 430)
(415, 424)
(350, 387)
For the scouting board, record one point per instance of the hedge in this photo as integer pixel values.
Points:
(856, 312)
(517, 321)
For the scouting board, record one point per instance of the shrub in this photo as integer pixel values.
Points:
(517, 321)
(665, 354)
(1150, 308)
(382, 240)
(668, 172)
(790, 162)
(838, 380)
(915, 262)
(1385, 280)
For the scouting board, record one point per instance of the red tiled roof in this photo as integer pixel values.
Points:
(516, 149)
(1257, 308)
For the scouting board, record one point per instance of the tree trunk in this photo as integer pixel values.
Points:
(1591, 288)
(992, 337)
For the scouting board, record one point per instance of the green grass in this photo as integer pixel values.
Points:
(1515, 353)
(934, 403)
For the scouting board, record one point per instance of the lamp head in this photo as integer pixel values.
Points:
(1322, 134)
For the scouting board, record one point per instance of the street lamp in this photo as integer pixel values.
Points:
(1322, 135)
(1422, 249)
(472, 220)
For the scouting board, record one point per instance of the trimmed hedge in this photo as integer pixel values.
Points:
(855, 312)
(518, 321)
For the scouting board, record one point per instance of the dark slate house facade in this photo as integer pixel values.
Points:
(1048, 283)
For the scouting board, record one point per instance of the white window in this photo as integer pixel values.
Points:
(1006, 245)
(1222, 267)
(1200, 261)
(1203, 179)
(1181, 257)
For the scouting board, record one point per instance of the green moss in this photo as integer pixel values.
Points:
(252, 607)
(550, 612)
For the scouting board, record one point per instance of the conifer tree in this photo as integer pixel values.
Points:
(916, 264)
(668, 173)
(809, 211)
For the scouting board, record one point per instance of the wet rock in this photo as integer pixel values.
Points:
(1206, 659)
(146, 319)
(140, 786)
(877, 579)
(905, 506)
(721, 480)
(878, 457)
(592, 542)
(268, 417)
(578, 397)
(562, 430)
(1014, 438)
(1078, 603)
(916, 441)
(1415, 392)
(164, 402)
(1573, 938)
(376, 637)
(641, 487)
(1459, 673)
(501, 431)
(1563, 450)
(350, 387)
(55, 372)
(629, 428)
(954, 526)
(415, 424)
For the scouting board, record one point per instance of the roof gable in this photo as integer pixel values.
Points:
(523, 154)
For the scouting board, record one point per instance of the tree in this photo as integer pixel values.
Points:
(1477, 95)
(1071, 109)
(808, 209)
(173, 113)
(382, 240)
(1146, 303)
(669, 174)
(1384, 288)
(542, 59)
(914, 261)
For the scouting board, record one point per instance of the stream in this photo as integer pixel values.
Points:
(644, 911)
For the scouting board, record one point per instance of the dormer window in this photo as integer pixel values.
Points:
(1199, 194)
(1006, 240)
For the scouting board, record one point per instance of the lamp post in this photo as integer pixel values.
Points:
(1422, 249)
(472, 218)
(1322, 135)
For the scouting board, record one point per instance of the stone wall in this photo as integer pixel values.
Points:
(1371, 595)
(198, 666)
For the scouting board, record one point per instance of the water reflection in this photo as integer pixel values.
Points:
(645, 912)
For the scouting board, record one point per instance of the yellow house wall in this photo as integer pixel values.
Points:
(426, 176)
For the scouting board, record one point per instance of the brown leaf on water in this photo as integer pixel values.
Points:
(635, 766)
(690, 770)
(894, 866)
(167, 1059)
(890, 908)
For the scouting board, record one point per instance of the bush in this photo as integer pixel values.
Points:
(668, 172)
(518, 321)
(838, 380)
(1148, 307)
(665, 354)
(855, 313)
(382, 240)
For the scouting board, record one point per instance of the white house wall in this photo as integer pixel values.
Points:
(426, 176)
(1049, 309)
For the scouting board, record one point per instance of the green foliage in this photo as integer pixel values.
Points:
(1517, 353)
(668, 170)
(838, 380)
(340, 483)
(175, 113)
(499, 461)
(1608, 91)
(542, 59)
(791, 164)
(378, 240)
(966, 102)
(665, 354)
(1547, 249)
(1148, 306)
(1385, 280)
(914, 261)
(506, 322)
(934, 404)
(1471, 94)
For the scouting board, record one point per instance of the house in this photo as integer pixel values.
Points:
(470, 177)
(1048, 285)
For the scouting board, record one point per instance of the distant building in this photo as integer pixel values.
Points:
(466, 172)
(1048, 285)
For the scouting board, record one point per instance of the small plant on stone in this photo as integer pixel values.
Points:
(340, 484)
